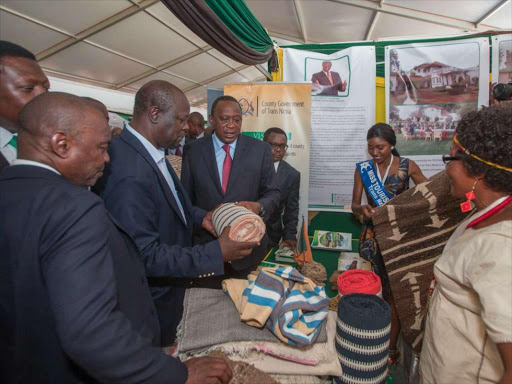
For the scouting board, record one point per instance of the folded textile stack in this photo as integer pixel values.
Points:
(244, 372)
(283, 300)
(359, 281)
(211, 322)
(245, 225)
(362, 338)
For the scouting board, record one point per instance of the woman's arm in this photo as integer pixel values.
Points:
(415, 173)
(366, 210)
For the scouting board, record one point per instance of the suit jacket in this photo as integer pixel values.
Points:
(328, 89)
(289, 186)
(75, 304)
(252, 178)
(138, 196)
(3, 162)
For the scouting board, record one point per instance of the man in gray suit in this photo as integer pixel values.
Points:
(230, 167)
(282, 224)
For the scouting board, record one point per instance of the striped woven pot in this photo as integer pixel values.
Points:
(362, 339)
(245, 225)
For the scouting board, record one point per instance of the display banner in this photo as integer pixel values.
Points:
(286, 106)
(502, 58)
(429, 86)
(342, 111)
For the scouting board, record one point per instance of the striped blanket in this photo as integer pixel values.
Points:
(411, 231)
(283, 300)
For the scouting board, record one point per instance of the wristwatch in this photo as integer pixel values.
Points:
(262, 210)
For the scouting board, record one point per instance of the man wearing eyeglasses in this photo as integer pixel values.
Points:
(289, 185)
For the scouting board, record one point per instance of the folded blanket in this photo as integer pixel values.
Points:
(359, 281)
(245, 225)
(210, 318)
(283, 300)
(318, 359)
(362, 338)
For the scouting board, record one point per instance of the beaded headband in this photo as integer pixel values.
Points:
(467, 152)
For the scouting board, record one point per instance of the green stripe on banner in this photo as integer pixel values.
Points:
(259, 135)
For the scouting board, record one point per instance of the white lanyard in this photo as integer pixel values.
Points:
(382, 180)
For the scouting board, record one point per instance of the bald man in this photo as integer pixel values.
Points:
(75, 304)
(21, 79)
(195, 126)
(142, 191)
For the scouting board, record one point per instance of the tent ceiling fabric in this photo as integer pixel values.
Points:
(121, 44)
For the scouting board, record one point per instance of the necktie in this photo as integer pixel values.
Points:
(178, 152)
(14, 141)
(329, 76)
(226, 168)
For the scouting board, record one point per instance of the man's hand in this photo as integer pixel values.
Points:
(289, 243)
(252, 206)
(208, 370)
(344, 86)
(368, 211)
(208, 223)
(234, 250)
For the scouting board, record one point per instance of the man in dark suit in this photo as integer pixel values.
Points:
(289, 186)
(229, 167)
(142, 191)
(75, 305)
(327, 81)
(21, 79)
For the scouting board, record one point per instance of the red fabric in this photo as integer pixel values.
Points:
(226, 168)
(178, 152)
(359, 281)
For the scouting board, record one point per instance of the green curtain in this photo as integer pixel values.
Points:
(379, 47)
(241, 22)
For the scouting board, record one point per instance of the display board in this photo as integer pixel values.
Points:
(429, 86)
(342, 111)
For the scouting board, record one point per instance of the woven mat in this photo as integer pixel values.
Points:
(412, 230)
(210, 318)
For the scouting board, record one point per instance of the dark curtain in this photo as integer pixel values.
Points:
(228, 26)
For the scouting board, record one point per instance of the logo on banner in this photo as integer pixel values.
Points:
(246, 106)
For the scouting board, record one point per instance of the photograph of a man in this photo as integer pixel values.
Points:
(327, 82)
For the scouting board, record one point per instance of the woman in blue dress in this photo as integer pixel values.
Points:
(395, 172)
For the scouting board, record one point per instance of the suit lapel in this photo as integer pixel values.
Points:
(211, 162)
(240, 154)
(180, 193)
(133, 142)
(3, 162)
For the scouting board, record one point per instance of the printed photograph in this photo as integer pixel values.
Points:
(434, 74)
(505, 62)
(329, 77)
(426, 129)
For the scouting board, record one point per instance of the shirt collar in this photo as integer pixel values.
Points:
(156, 154)
(5, 137)
(35, 164)
(217, 144)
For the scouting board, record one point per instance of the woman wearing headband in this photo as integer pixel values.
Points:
(468, 336)
(382, 178)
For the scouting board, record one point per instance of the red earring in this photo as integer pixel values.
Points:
(467, 205)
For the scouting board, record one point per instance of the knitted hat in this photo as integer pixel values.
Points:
(359, 281)
(245, 225)
(362, 338)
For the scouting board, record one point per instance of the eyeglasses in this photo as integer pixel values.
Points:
(284, 147)
(448, 158)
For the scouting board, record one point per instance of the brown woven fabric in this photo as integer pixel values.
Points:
(244, 372)
(411, 231)
(175, 162)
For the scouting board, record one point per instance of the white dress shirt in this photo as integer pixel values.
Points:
(158, 156)
(6, 149)
(35, 164)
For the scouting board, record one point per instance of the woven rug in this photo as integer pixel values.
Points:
(412, 230)
(245, 225)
